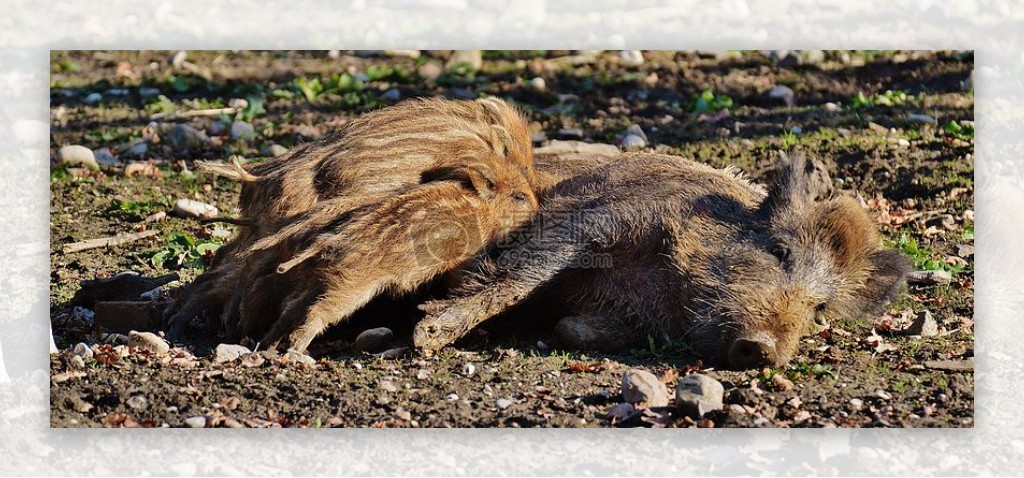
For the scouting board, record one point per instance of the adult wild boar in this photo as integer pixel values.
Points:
(659, 245)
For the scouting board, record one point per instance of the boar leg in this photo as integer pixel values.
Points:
(307, 315)
(516, 284)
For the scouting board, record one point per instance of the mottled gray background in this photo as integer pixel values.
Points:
(28, 29)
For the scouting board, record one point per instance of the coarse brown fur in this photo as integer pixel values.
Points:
(655, 245)
(379, 155)
(394, 247)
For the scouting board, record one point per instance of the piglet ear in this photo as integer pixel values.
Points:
(477, 178)
(795, 182)
(888, 269)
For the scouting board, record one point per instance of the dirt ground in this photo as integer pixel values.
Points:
(895, 129)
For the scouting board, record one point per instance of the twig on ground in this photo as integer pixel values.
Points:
(108, 241)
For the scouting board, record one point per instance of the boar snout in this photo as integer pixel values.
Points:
(754, 351)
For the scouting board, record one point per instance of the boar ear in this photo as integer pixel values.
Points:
(793, 183)
(888, 270)
(475, 177)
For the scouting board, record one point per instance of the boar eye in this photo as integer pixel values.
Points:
(519, 197)
(781, 252)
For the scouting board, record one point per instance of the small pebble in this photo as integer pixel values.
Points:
(76, 362)
(137, 402)
(92, 98)
(430, 70)
(538, 84)
(964, 250)
(229, 352)
(148, 92)
(924, 325)
(392, 95)
(451, 397)
(633, 143)
(387, 386)
(830, 106)
(105, 158)
(196, 422)
(856, 403)
(472, 59)
(189, 208)
(76, 155)
(243, 131)
(138, 149)
(373, 339)
(468, 369)
(782, 93)
(796, 130)
(83, 350)
(503, 403)
(782, 383)
(642, 386)
(883, 394)
(299, 358)
(697, 394)
(148, 341)
(276, 150)
(178, 59)
(921, 118)
(631, 57)
(183, 137)
(636, 130)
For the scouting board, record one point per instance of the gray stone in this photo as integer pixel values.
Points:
(924, 325)
(189, 208)
(783, 93)
(633, 142)
(242, 130)
(642, 386)
(473, 59)
(538, 84)
(148, 92)
(922, 118)
(813, 56)
(92, 98)
(218, 128)
(105, 158)
(299, 358)
(138, 149)
(929, 278)
(430, 70)
(178, 58)
(229, 352)
(503, 403)
(183, 137)
(76, 155)
(276, 150)
(82, 350)
(538, 137)
(830, 106)
(635, 130)
(137, 402)
(148, 341)
(964, 250)
(697, 394)
(387, 386)
(196, 422)
(373, 339)
(631, 57)
(76, 362)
